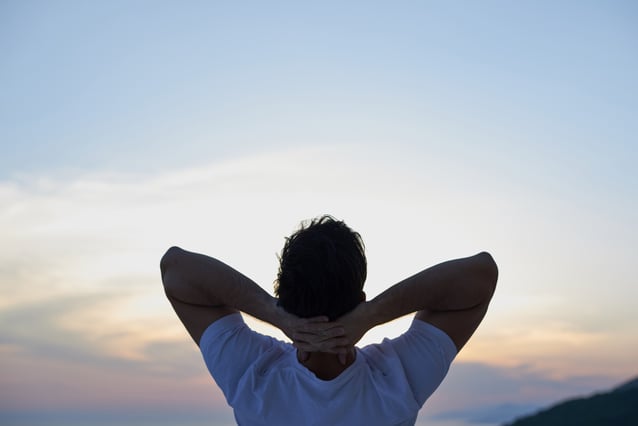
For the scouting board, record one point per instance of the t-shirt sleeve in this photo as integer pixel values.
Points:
(426, 353)
(229, 347)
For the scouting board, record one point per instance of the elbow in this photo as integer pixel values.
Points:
(168, 261)
(169, 258)
(489, 270)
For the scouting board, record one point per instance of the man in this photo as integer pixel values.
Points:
(322, 378)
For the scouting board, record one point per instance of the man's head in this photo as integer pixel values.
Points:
(322, 269)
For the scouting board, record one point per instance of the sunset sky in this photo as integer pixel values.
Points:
(435, 129)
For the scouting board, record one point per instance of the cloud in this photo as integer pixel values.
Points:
(483, 393)
(490, 414)
(55, 330)
(50, 364)
(81, 296)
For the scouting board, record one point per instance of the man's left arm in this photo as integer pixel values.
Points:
(203, 289)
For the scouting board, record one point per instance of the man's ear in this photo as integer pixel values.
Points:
(363, 296)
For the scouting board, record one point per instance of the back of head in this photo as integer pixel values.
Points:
(322, 269)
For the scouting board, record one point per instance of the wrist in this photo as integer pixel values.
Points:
(263, 307)
(373, 314)
(277, 315)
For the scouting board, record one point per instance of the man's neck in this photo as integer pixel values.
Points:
(326, 366)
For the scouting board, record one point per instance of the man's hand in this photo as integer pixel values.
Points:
(338, 337)
(355, 324)
(315, 334)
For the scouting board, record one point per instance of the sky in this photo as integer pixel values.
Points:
(435, 129)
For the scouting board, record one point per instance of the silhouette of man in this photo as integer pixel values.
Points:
(322, 378)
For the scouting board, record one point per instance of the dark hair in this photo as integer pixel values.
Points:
(322, 269)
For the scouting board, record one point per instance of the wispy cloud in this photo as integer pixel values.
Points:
(82, 308)
(483, 393)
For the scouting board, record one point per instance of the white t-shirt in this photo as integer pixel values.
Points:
(265, 384)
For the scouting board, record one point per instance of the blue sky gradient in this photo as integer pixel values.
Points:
(436, 129)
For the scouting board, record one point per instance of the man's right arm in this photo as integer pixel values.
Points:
(453, 296)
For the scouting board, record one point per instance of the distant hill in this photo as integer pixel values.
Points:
(618, 407)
